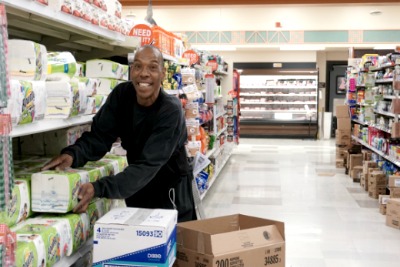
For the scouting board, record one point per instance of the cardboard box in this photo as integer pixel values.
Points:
(394, 192)
(355, 160)
(344, 123)
(362, 180)
(377, 179)
(392, 221)
(376, 191)
(339, 163)
(383, 199)
(340, 152)
(369, 164)
(367, 155)
(135, 237)
(342, 111)
(234, 240)
(355, 173)
(393, 206)
(343, 137)
(394, 181)
(382, 209)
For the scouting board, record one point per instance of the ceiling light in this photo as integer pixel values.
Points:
(302, 47)
(375, 13)
(385, 47)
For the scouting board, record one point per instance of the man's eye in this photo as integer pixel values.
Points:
(153, 67)
(136, 67)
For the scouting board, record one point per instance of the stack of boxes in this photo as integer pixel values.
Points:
(376, 184)
(343, 135)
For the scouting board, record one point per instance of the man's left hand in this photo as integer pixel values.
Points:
(86, 193)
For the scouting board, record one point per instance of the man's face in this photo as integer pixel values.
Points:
(147, 73)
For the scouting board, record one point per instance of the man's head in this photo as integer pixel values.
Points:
(147, 74)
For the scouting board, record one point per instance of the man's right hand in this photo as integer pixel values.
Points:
(59, 163)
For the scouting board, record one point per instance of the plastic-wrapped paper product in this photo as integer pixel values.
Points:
(101, 68)
(61, 66)
(27, 60)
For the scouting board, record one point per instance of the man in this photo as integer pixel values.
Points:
(152, 129)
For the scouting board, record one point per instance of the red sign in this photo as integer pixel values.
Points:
(144, 32)
(213, 64)
(192, 56)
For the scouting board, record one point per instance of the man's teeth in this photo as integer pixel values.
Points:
(144, 84)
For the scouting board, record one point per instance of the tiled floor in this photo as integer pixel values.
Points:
(329, 220)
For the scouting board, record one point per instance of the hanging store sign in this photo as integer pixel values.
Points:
(213, 64)
(144, 32)
(192, 56)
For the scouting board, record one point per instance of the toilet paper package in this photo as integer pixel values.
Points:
(27, 60)
(31, 229)
(59, 99)
(101, 68)
(57, 191)
(121, 160)
(91, 106)
(79, 224)
(95, 173)
(61, 66)
(19, 207)
(30, 250)
(99, 101)
(105, 86)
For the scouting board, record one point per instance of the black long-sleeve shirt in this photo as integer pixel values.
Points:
(154, 139)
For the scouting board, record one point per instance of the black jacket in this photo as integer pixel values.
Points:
(154, 139)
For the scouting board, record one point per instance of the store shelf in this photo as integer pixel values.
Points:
(389, 96)
(211, 152)
(217, 172)
(222, 130)
(360, 122)
(388, 80)
(58, 30)
(275, 111)
(278, 87)
(49, 125)
(380, 153)
(71, 260)
(381, 67)
(273, 103)
(389, 114)
(289, 94)
(220, 72)
(220, 114)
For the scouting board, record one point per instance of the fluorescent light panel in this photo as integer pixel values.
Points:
(215, 47)
(301, 47)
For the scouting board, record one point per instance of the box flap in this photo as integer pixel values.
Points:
(211, 236)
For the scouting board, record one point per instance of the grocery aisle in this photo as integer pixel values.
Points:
(329, 220)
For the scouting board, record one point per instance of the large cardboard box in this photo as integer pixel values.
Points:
(342, 111)
(355, 160)
(344, 123)
(234, 240)
(343, 138)
(135, 237)
(394, 192)
(355, 173)
(394, 181)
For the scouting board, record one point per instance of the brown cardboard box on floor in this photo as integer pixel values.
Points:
(342, 111)
(234, 240)
(392, 220)
(362, 180)
(356, 173)
(367, 155)
(377, 178)
(393, 206)
(374, 192)
(339, 163)
(355, 160)
(394, 192)
(340, 152)
(369, 164)
(382, 209)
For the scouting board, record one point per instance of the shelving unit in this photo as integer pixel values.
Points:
(279, 105)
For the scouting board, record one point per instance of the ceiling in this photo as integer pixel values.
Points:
(246, 2)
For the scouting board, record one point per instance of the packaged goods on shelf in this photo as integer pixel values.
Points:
(61, 66)
(105, 86)
(138, 237)
(95, 211)
(101, 68)
(27, 60)
(30, 250)
(91, 85)
(19, 208)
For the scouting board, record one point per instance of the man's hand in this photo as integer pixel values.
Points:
(86, 193)
(59, 163)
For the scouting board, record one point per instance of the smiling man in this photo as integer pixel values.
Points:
(152, 129)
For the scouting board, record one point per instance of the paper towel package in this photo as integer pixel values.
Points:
(91, 85)
(49, 235)
(66, 6)
(101, 68)
(30, 250)
(14, 104)
(61, 66)
(56, 191)
(28, 103)
(79, 224)
(27, 60)
(95, 211)
(59, 99)
(137, 236)
(19, 207)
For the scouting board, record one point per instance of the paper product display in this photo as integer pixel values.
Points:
(122, 161)
(95, 211)
(79, 224)
(101, 68)
(61, 66)
(27, 60)
(19, 208)
(137, 236)
(30, 250)
(40, 101)
(60, 99)
(14, 103)
(106, 85)
(91, 85)
(57, 191)
(34, 230)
